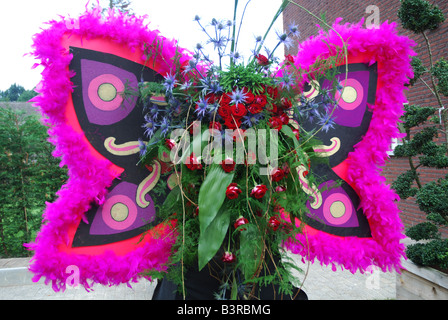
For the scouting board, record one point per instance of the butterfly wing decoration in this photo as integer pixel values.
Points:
(102, 227)
(353, 219)
(335, 209)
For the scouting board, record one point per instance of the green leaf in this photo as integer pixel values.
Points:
(213, 220)
(172, 200)
(210, 239)
(212, 195)
(288, 131)
(250, 248)
(234, 292)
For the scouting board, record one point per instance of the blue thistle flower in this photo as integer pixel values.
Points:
(165, 126)
(286, 82)
(238, 96)
(142, 145)
(284, 39)
(149, 126)
(153, 110)
(170, 82)
(294, 30)
(326, 121)
(201, 107)
(252, 120)
(212, 109)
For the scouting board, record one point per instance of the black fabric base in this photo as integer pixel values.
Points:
(200, 285)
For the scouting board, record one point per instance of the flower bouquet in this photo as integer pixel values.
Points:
(230, 138)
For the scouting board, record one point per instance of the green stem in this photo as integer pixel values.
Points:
(232, 48)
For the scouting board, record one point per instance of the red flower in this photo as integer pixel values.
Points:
(275, 123)
(228, 257)
(211, 97)
(280, 189)
(297, 133)
(249, 96)
(285, 118)
(193, 163)
(239, 222)
(285, 104)
(277, 175)
(232, 123)
(228, 165)
(225, 99)
(255, 108)
(238, 110)
(289, 58)
(262, 60)
(274, 222)
(215, 125)
(257, 104)
(170, 143)
(259, 191)
(233, 191)
(272, 91)
(225, 111)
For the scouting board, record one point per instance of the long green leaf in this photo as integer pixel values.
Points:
(210, 239)
(212, 195)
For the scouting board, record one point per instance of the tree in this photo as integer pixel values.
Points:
(29, 176)
(17, 93)
(13, 93)
(420, 16)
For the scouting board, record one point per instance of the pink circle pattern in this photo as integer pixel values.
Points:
(119, 225)
(345, 200)
(357, 86)
(97, 101)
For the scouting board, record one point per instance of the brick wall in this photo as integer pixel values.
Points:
(354, 11)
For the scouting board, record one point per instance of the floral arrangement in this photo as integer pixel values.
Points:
(232, 137)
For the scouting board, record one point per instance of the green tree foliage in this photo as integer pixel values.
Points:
(17, 93)
(420, 142)
(29, 176)
(419, 15)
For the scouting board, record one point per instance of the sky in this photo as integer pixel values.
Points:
(21, 19)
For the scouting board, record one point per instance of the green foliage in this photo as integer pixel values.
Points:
(419, 70)
(433, 253)
(420, 15)
(423, 231)
(440, 71)
(244, 76)
(29, 176)
(416, 115)
(17, 93)
(403, 184)
(432, 197)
